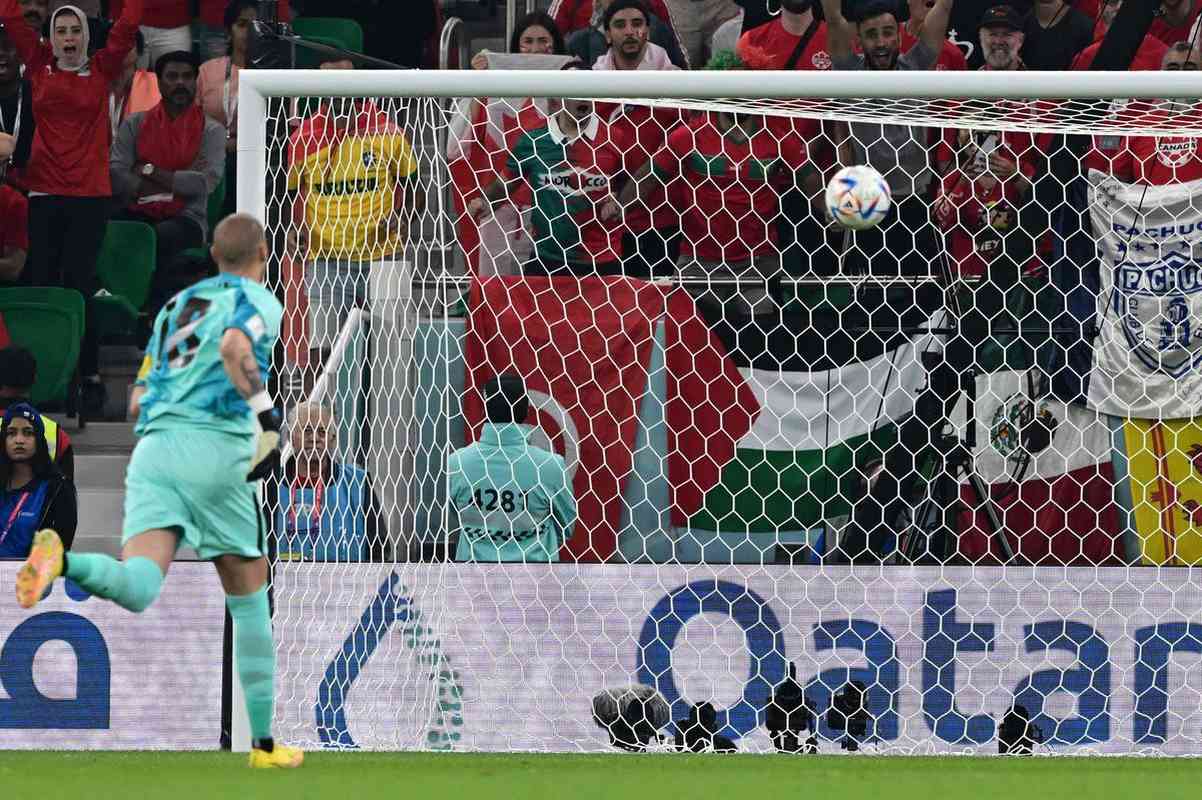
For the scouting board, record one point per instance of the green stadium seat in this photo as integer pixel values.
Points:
(216, 204)
(346, 33)
(125, 267)
(49, 323)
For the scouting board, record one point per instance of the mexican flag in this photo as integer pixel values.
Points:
(823, 408)
(1049, 470)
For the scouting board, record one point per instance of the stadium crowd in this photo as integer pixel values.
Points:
(127, 111)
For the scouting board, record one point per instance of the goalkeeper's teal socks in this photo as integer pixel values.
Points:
(254, 656)
(132, 584)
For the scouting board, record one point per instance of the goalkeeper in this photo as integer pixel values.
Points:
(190, 480)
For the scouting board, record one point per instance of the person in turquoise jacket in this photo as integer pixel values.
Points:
(323, 509)
(513, 501)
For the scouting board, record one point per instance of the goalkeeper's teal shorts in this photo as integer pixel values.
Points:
(193, 481)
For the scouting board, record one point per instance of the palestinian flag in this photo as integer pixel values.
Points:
(824, 400)
(1049, 469)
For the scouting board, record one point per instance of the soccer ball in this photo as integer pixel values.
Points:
(858, 197)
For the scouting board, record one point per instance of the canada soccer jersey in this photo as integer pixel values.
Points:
(1160, 160)
(778, 45)
(570, 179)
(729, 204)
(351, 177)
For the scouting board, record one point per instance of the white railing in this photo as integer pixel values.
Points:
(452, 30)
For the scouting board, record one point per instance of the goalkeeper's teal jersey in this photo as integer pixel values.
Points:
(186, 384)
(513, 500)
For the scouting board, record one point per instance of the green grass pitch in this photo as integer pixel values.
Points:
(356, 776)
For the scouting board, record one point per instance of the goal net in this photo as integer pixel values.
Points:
(934, 486)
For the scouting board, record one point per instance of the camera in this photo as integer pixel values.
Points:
(631, 716)
(789, 717)
(699, 733)
(849, 713)
(1017, 735)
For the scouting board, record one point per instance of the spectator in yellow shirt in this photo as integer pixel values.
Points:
(353, 178)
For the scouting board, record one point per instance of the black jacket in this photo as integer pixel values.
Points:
(61, 509)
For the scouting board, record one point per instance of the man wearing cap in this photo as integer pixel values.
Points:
(1002, 39)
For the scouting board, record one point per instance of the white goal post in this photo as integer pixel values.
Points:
(558, 656)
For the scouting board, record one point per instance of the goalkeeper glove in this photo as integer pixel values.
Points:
(267, 446)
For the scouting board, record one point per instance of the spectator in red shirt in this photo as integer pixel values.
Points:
(483, 130)
(166, 24)
(1162, 160)
(14, 232)
(570, 164)
(165, 163)
(1147, 58)
(68, 173)
(950, 57)
(1176, 19)
(981, 199)
(794, 40)
(728, 165)
(650, 243)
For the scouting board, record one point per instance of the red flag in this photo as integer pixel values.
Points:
(582, 346)
(709, 408)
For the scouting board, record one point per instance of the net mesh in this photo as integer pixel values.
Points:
(775, 484)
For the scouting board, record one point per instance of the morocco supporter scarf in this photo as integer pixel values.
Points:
(169, 144)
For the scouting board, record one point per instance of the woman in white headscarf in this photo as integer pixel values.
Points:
(68, 172)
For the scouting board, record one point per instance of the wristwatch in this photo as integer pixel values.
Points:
(148, 169)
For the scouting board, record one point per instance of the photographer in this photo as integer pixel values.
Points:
(849, 713)
(699, 733)
(1017, 735)
(788, 717)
